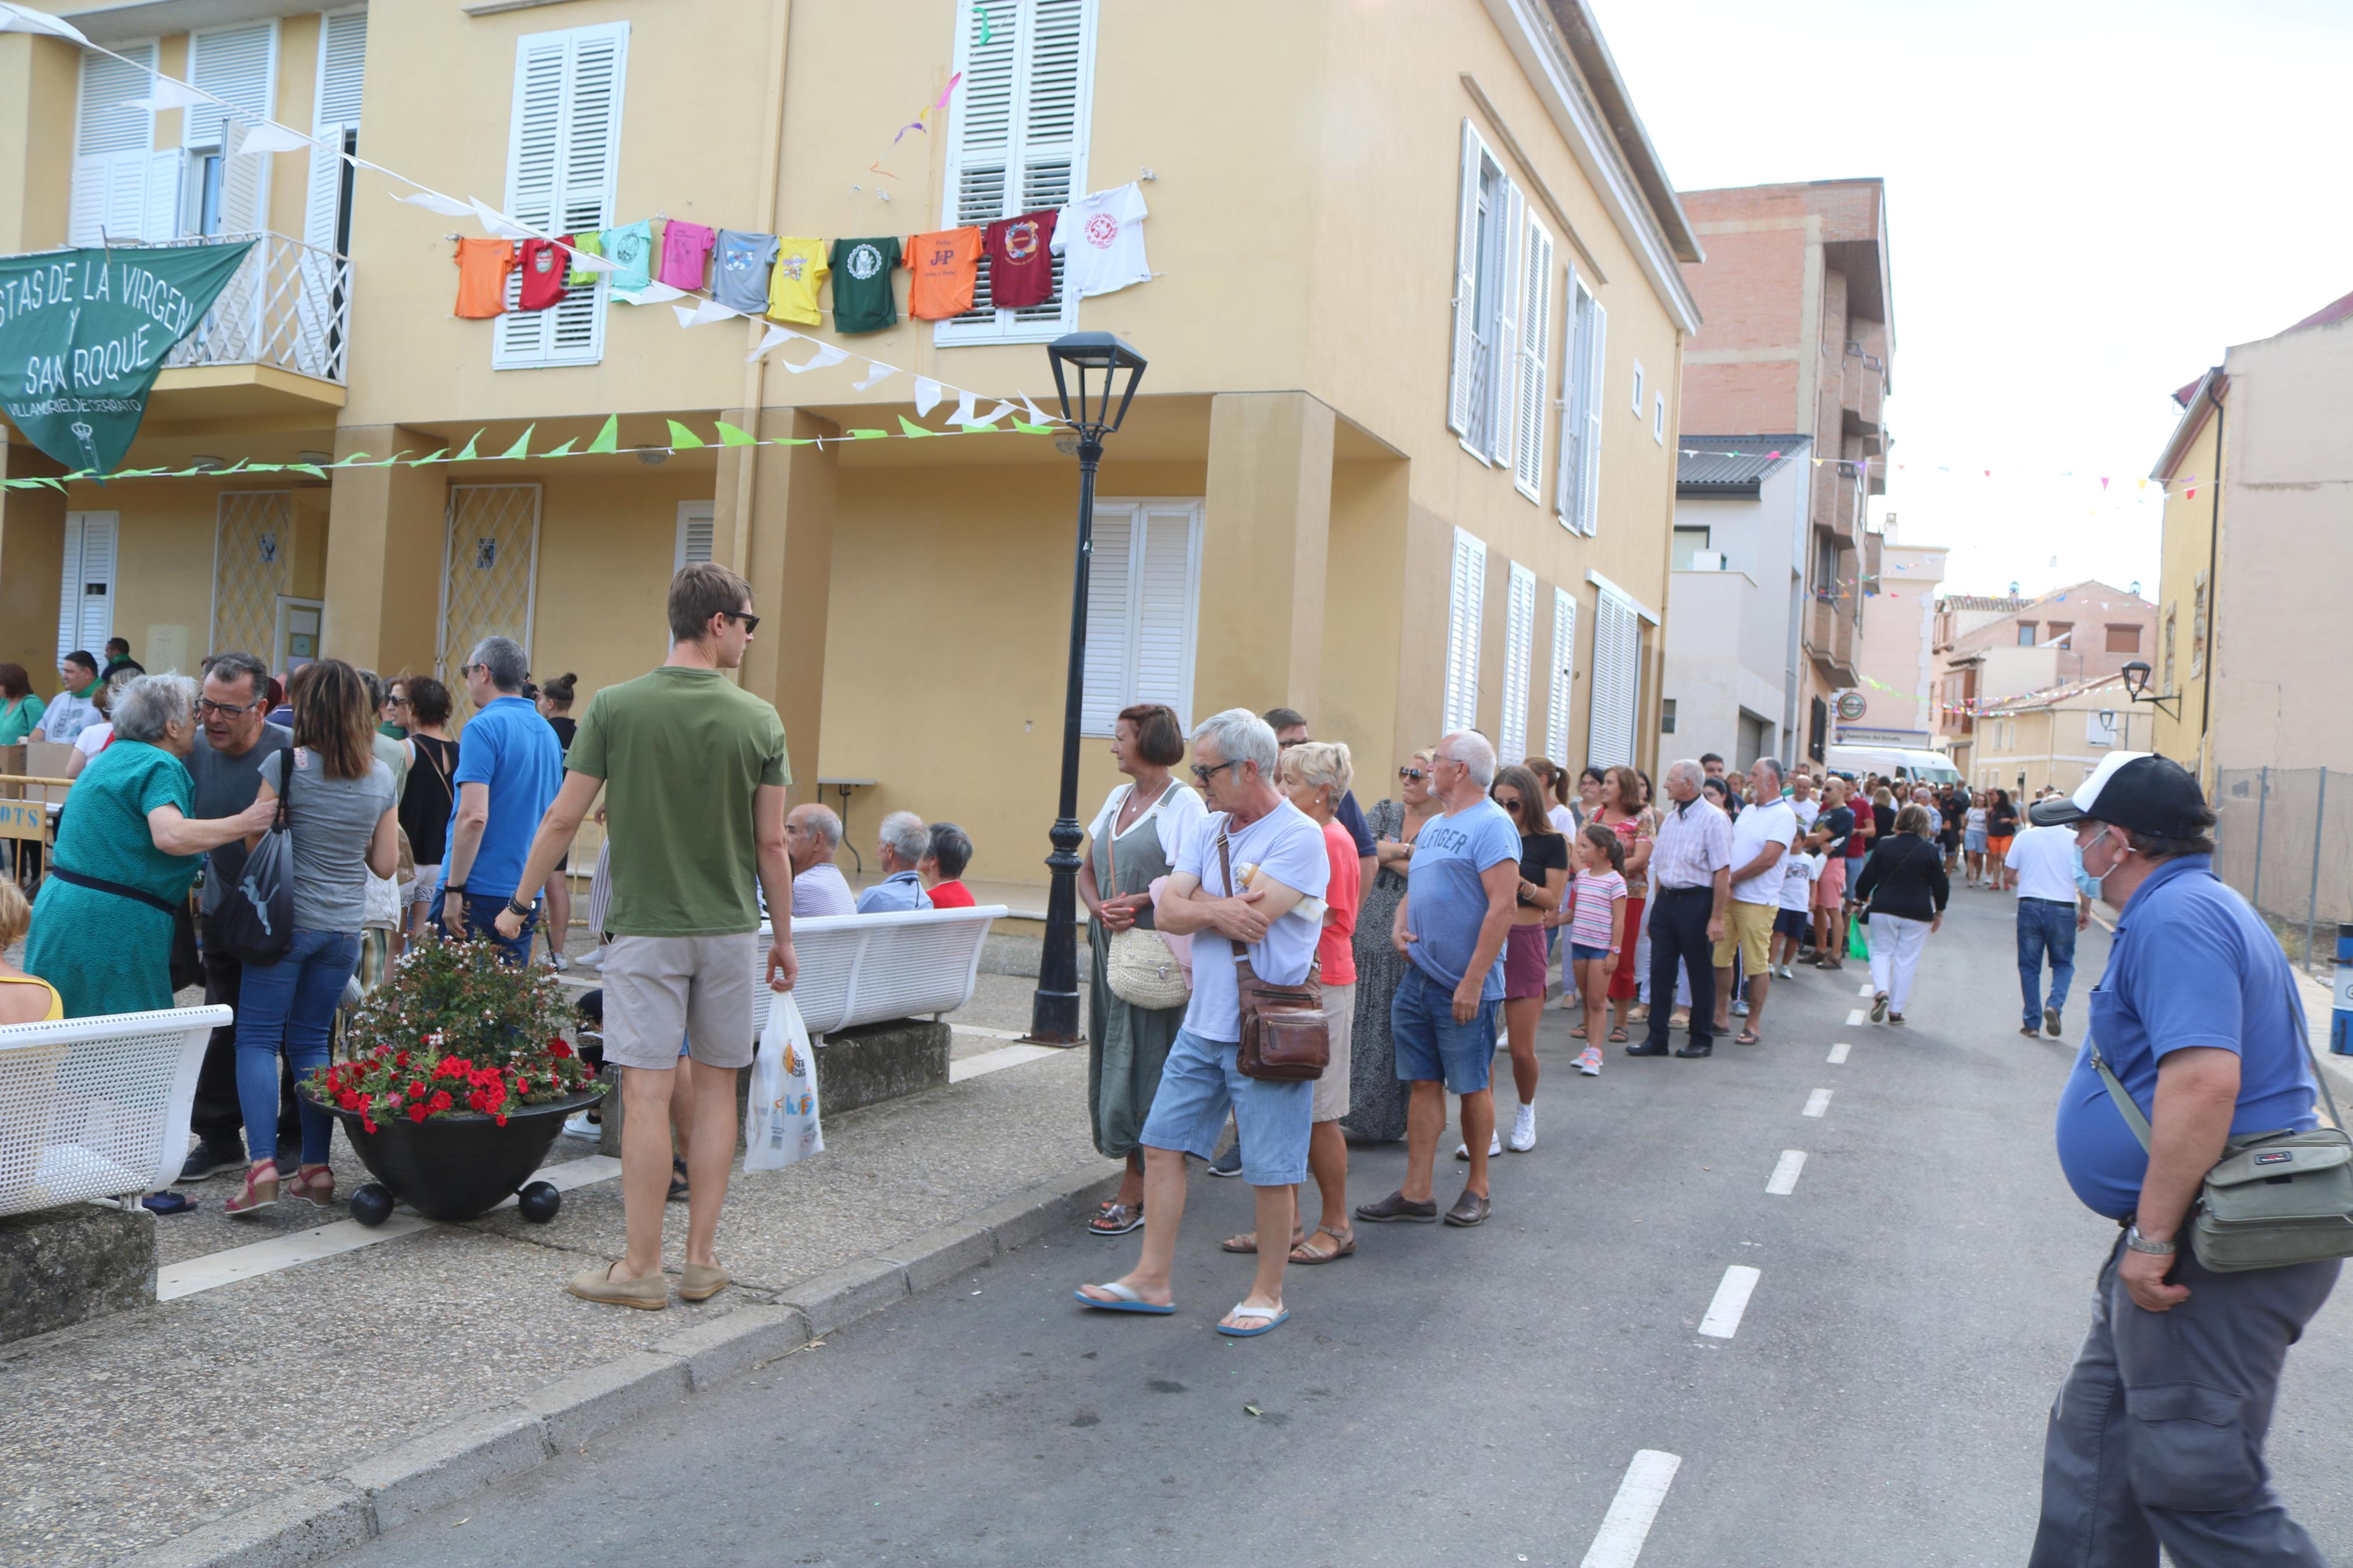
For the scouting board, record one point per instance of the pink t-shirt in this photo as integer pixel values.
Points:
(1596, 891)
(1335, 951)
(686, 246)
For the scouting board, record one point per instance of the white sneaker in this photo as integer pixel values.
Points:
(557, 961)
(1494, 1147)
(1589, 1061)
(1524, 1130)
(577, 1125)
(592, 959)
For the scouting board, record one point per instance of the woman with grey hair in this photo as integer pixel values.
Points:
(126, 855)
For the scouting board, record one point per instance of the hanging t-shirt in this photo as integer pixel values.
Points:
(685, 248)
(592, 244)
(794, 280)
(542, 275)
(1101, 241)
(631, 249)
(739, 272)
(1020, 269)
(945, 264)
(482, 268)
(862, 301)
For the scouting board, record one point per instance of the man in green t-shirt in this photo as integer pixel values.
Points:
(694, 774)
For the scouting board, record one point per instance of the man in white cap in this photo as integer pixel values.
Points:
(2157, 1438)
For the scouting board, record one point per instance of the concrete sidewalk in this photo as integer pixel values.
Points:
(274, 1415)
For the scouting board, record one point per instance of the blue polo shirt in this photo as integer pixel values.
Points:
(509, 747)
(2192, 966)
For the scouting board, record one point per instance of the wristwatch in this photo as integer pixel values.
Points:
(2134, 1240)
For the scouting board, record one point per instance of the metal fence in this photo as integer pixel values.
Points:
(289, 305)
(2284, 838)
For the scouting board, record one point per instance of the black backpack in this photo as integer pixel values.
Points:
(255, 918)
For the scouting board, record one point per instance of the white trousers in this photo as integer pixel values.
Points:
(1895, 944)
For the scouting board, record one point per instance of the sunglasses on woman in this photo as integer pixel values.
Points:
(1412, 774)
(1512, 805)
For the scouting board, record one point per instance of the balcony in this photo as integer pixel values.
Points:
(1862, 401)
(1830, 638)
(275, 343)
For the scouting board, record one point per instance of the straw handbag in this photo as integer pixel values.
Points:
(1141, 970)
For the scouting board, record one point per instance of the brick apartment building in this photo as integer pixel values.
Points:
(1798, 335)
(1992, 651)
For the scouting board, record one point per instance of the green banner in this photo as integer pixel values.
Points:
(83, 333)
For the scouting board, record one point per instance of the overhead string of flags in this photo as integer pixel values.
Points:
(1862, 467)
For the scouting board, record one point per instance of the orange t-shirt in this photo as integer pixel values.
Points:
(482, 268)
(945, 264)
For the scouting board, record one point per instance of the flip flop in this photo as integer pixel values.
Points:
(1128, 1302)
(1746, 1037)
(1270, 1319)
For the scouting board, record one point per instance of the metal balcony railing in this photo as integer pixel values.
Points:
(289, 305)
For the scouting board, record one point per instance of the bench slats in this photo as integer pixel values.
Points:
(98, 1108)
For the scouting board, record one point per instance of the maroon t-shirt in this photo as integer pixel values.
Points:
(1021, 271)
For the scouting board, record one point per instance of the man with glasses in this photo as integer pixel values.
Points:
(510, 766)
(226, 766)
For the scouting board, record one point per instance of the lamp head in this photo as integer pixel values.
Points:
(2136, 675)
(1106, 372)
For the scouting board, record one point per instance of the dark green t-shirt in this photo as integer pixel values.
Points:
(862, 301)
(682, 753)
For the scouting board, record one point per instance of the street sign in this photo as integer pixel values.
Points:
(1853, 705)
(24, 819)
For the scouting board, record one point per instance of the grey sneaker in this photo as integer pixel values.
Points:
(1228, 1164)
(1740, 1007)
(2051, 1022)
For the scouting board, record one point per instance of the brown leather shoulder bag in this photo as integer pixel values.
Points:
(1286, 1034)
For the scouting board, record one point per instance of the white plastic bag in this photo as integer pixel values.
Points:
(782, 1126)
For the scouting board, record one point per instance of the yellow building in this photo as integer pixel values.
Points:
(2184, 619)
(2057, 739)
(1407, 264)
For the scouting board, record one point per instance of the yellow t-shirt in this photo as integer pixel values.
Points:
(794, 281)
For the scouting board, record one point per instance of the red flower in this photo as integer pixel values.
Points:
(401, 1061)
(441, 1100)
(349, 1101)
(558, 1048)
(417, 1090)
(503, 1120)
(367, 1122)
(418, 1112)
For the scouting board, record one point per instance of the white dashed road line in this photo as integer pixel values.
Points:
(1722, 1319)
(1818, 1103)
(1865, 990)
(1004, 1057)
(1839, 1051)
(1626, 1525)
(1855, 1017)
(1785, 1174)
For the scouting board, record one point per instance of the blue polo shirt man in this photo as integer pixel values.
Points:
(2157, 1434)
(510, 766)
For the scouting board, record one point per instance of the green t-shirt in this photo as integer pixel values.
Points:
(862, 301)
(681, 752)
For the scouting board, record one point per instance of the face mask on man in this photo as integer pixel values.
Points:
(2087, 883)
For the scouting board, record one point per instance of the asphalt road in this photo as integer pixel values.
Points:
(1481, 1396)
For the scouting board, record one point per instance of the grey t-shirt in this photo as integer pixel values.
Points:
(226, 785)
(333, 821)
(739, 270)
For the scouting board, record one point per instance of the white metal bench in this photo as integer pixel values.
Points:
(98, 1108)
(865, 969)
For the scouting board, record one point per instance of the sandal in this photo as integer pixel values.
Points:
(1577, 1032)
(1617, 1035)
(1115, 1219)
(260, 1190)
(315, 1183)
(1746, 1037)
(1305, 1252)
(1268, 1320)
(1248, 1241)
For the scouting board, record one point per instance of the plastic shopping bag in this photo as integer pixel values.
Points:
(783, 1126)
(1857, 944)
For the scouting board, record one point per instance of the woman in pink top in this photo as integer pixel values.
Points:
(1314, 775)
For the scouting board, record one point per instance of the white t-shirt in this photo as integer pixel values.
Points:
(1770, 822)
(1177, 809)
(1807, 810)
(92, 738)
(1564, 821)
(1798, 881)
(1101, 241)
(1286, 844)
(2044, 859)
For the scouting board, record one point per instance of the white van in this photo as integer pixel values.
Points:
(1895, 761)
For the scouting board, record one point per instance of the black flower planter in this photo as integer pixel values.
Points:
(454, 1167)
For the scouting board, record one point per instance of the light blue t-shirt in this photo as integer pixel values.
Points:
(509, 747)
(895, 894)
(1445, 902)
(1286, 844)
(2192, 966)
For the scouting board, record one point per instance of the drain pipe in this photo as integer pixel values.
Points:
(2214, 584)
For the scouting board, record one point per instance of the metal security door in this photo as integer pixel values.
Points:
(253, 563)
(490, 571)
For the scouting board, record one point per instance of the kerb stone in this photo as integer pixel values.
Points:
(841, 1296)
(443, 1466)
(309, 1524)
(730, 1346)
(941, 1254)
(65, 1266)
(596, 1399)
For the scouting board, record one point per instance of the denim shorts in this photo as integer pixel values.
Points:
(1584, 954)
(1431, 1045)
(1200, 1081)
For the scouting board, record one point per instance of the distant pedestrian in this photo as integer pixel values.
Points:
(1831, 831)
(1451, 927)
(509, 769)
(1240, 879)
(1542, 890)
(1623, 811)
(554, 705)
(1793, 916)
(941, 867)
(2001, 826)
(2050, 910)
(900, 844)
(694, 849)
(1973, 840)
(2157, 1437)
(1761, 836)
(1692, 869)
(431, 797)
(1597, 930)
(119, 660)
(1377, 1100)
(1905, 887)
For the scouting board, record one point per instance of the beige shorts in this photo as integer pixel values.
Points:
(1332, 1089)
(662, 990)
(1749, 928)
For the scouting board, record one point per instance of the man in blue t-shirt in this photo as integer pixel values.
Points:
(510, 766)
(2157, 1437)
(1462, 884)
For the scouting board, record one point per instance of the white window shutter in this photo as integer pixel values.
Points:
(564, 144)
(1461, 385)
(323, 206)
(1017, 142)
(1466, 605)
(168, 178)
(244, 184)
(69, 589)
(1536, 347)
(1564, 675)
(238, 65)
(112, 151)
(1503, 353)
(1519, 657)
(1588, 456)
(697, 530)
(1110, 592)
(342, 67)
(1167, 577)
(86, 585)
(1617, 680)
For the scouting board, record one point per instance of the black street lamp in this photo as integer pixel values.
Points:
(1106, 371)
(2135, 676)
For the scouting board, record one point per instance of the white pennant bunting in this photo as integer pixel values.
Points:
(25, 19)
(704, 312)
(651, 294)
(995, 414)
(587, 263)
(927, 396)
(166, 94)
(876, 373)
(500, 226)
(769, 339)
(272, 139)
(827, 354)
(1035, 414)
(962, 414)
(432, 201)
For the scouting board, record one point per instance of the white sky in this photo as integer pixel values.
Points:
(2088, 201)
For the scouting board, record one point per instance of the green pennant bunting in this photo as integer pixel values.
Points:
(1028, 430)
(441, 456)
(608, 438)
(357, 459)
(681, 438)
(522, 449)
(910, 428)
(468, 454)
(729, 436)
(563, 451)
(864, 435)
(271, 468)
(313, 470)
(980, 430)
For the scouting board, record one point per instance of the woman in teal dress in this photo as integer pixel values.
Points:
(126, 823)
(20, 710)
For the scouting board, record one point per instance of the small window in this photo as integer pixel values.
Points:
(2198, 625)
(2059, 633)
(1638, 387)
(1666, 715)
(2168, 649)
(1659, 417)
(1689, 543)
(2123, 639)
(2026, 637)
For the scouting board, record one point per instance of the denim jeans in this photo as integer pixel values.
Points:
(2044, 926)
(289, 1005)
(481, 912)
